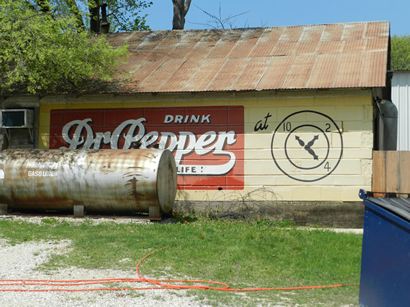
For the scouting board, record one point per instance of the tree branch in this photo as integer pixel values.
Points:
(221, 22)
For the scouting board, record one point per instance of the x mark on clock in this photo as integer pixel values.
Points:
(308, 146)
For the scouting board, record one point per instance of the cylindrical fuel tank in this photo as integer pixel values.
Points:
(100, 180)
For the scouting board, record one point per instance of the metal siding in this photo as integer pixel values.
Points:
(401, 98)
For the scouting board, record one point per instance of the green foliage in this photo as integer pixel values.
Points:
(400, 52)
(122, 15)
(127, 15)
(42, 53)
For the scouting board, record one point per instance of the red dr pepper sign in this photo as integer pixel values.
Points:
(207, 142)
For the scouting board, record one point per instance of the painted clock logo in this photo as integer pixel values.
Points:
(307, 146)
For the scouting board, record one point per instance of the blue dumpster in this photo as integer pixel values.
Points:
(385, 272)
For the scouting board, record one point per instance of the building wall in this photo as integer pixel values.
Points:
(20, 137)
(400, 96)
(289, 146)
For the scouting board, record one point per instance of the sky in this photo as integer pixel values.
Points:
(270, 13)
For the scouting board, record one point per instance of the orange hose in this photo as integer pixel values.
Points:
(62, 285)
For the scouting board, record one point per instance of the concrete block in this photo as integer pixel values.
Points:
(154, 214)
(3, 209)
(79, 211)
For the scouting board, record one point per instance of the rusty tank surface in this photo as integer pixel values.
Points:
(138, 180)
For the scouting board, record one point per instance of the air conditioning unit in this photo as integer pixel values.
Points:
(16, 118)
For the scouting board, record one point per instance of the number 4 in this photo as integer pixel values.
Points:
(327, 167)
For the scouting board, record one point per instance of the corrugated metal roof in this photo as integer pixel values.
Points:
(350, 55)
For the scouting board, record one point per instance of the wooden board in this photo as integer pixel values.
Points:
(391, 172)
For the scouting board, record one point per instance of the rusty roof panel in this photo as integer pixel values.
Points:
(347, 74)
(204, 74)
(199, 51)
(253, 73)
(354, 45)
(275, 73)
(354, 31)
(306, 48)
(150, 41)
(170, 39)
(329, 47)
(180, 78)
(323, 72)
(246, 43)
(224, 45)
(297, 57)
(221, 49)
(145, 68)
(181, 51)
(377, 29)
(284, 48)
(376, 43)
(162, 74)
(227, 76)
(291, 34)
(332, 33)
(266, 42)
(299, 72)
(312, 34)
(373, 68)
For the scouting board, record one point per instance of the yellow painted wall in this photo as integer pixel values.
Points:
(350, 110)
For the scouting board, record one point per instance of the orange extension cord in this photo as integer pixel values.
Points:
(63, 285)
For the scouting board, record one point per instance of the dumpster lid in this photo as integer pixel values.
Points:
(400, 206)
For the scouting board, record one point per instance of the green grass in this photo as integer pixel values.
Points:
(243, 254)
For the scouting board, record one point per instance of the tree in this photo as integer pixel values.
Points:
(181, 8)
(218, 21)
(400, 52)
(42, 52)
(122, 15)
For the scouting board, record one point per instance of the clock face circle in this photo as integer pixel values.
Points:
(307, 146)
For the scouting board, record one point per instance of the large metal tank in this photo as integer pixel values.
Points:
(135, 180)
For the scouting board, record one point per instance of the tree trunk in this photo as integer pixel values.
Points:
(105, 25)
(181, 8)
(94, 16)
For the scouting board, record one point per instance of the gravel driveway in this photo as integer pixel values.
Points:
(20, 262)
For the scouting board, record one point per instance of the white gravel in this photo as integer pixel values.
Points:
(22, 260)
(38, 219)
